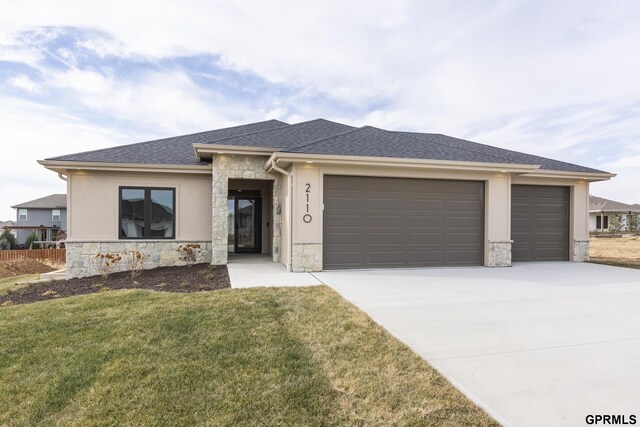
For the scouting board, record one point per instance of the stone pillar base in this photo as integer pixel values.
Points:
(580, 250)
(499, 254)
(306, 257)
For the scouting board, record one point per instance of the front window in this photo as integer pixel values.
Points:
(147, 213)
(22, 214)
(55, 214)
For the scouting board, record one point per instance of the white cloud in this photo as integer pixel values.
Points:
(547, 77)
(22, 81)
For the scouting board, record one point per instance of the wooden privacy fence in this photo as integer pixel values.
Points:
(54, 255)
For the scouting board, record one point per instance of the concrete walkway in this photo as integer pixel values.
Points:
(249, 270)
(538, 344)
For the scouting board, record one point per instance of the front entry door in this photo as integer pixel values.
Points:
(245, 224)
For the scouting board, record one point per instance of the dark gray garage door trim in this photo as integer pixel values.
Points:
(540, 223)
(377, 222)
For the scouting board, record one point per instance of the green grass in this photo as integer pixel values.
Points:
(253, 357)
(9, 283)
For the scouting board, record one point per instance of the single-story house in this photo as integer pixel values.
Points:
(45, 216)
(600, 209)
(323, 195)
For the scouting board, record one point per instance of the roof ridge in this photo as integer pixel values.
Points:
(355, 129)
(274, 129)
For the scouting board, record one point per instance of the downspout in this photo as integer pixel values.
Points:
(277, 168)
(62, 176)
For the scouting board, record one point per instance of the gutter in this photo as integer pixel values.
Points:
(403, 162)
(62, 167)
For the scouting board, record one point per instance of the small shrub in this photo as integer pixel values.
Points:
(190, 253)
(134, 261)
(4, 245)
(615, 223)
(33, 237)
(104, 263)
(9, 238)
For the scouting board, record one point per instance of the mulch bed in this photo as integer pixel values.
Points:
(200, 277)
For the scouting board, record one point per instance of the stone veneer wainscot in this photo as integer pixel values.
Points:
(160, 253)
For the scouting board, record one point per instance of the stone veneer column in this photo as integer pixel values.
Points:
(499, 254)
(306, 257)
(231, 166)
(219, 211)
(580, 250)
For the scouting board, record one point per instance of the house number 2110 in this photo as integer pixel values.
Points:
(307, 218)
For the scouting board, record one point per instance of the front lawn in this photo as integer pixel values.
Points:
(251, 357)
(9, 284)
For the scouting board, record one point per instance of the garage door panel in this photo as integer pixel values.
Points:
(422, 205)
(540, 223)
(404, 222)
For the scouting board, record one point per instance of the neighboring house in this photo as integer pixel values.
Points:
(323, 195)
(46, 216)
(601, 209)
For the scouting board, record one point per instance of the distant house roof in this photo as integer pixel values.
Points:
(53, 201)
(600, 204)
(319, 136)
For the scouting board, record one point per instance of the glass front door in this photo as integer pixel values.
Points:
(244, 224)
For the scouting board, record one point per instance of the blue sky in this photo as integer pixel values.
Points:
(557, 79)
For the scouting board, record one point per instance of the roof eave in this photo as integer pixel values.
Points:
(63, 166)
(207, 151)
(400, 162)
(586, 176)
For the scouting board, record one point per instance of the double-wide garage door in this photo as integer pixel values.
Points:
(539, 223)
(374, 222)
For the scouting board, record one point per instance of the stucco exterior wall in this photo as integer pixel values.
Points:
(94, 218)
(93, 201)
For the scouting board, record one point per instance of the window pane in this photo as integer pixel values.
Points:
(22, 214)
(162, 213)
(55, 215)
(231, 241)
(132, 215)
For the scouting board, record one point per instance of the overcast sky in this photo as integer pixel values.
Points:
(555, 78)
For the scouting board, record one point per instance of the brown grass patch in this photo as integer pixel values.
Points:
(620, 251)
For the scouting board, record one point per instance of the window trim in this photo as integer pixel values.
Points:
(147, 212)
(26, 214)
(53, 215)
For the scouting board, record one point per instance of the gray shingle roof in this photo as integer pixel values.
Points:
(176, 150)
(290, 136)
(320, 137)
(600, 204)
(52, 201)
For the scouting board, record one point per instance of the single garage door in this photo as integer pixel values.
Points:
(394, 222)
(539, 223)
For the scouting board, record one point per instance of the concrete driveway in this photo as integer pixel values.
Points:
(536, 344)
